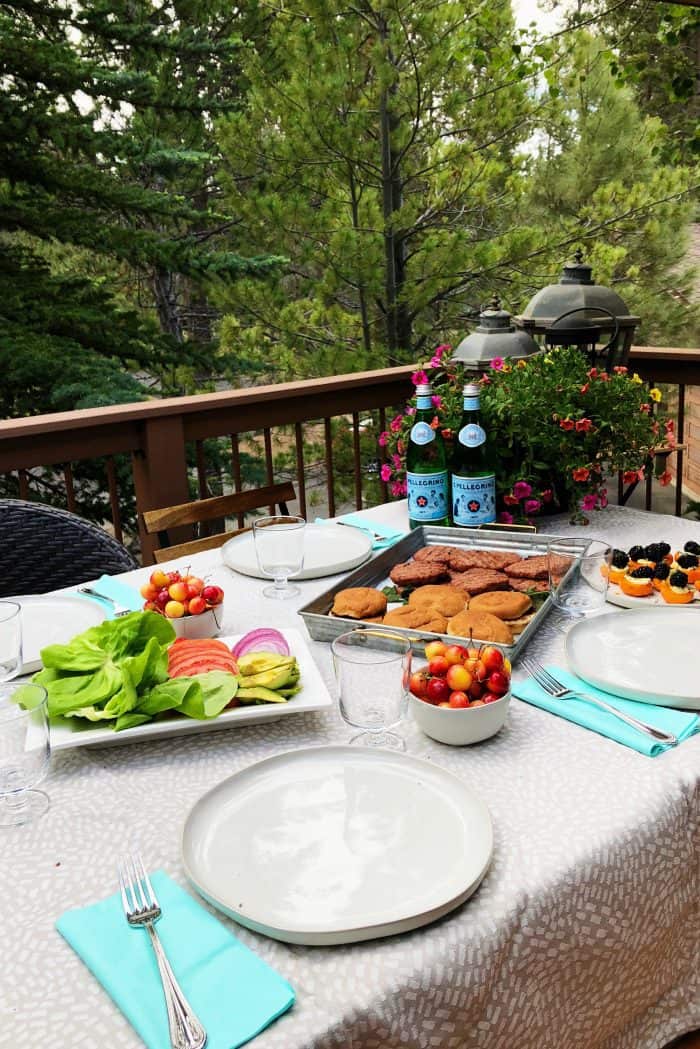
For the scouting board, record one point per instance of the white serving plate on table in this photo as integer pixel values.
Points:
(616, 596)
(53, 619)
(67, 733)
(650, 655)
(328, 549)
(337, 844)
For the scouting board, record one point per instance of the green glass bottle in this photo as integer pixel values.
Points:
(473, 467)
(426, 466)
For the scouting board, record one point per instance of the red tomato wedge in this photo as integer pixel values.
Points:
(187, 657)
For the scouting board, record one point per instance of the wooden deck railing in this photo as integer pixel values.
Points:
(164, 440)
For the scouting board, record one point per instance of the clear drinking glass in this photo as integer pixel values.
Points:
(373, 669)
(578, 580)
(10, 640)
(24, 753)
(279, 548)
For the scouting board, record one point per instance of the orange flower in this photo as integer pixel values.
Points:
(567, 424)
(585, 388)
(581, 473)
(665, 478)
(584, 425)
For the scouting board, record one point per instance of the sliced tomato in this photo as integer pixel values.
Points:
(187, 657)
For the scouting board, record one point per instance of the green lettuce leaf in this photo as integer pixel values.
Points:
(214, 691)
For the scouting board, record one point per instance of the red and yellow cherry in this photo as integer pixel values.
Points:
(197, 605)
(162, 597)
(159, 578)
(194, 585)
(178, 590)
(435, 648)
(498, 682)
(438, 666)
(489, 697)
(437, 690)
(455, 654)
(174, 610)
(458, 700)
(419, 683)
(458, 677)
(475, 691)
(213, 595)
(148, 591)
(491, 657)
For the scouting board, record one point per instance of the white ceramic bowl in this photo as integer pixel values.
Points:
(208, 624)
(460, 727)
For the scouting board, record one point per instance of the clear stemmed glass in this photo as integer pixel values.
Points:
(24, 753)
(579, 590)
(373, 669)
(279, 548)
(10, 640)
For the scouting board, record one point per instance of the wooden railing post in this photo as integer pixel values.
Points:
(160, 475)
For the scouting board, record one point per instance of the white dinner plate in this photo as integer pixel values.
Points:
(53, 619)
(77, 732)
(645, 654)
(616, 596)
(328, 549)
(337, 844)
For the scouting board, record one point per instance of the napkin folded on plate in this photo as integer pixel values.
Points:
(234, 993)
(679, 722)
(388, 535)
(125, 595)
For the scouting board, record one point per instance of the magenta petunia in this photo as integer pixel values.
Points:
(521, 490)
(411, 410)
(385, 472)
(532, 506)
(418, 378)
(589, 501)
(396, 460)
(395, 424)
(437, 400)
(497, 364)
(399, 488)
(382, 439)
(505, 518)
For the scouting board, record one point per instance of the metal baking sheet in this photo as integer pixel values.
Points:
(375, 573)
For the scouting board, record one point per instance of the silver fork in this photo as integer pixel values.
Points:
(361, 528)
(554, 688)
(142, 909)
(119, 610)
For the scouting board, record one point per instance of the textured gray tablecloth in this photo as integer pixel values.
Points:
(585, 933)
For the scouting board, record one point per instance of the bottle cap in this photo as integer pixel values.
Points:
(472, 389)
(424, 389)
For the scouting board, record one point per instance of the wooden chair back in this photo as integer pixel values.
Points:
(216, 508)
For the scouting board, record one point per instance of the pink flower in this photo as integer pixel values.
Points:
(437, 400)
(645, 408)
(485, 381)
(532, 506)
(670, 426)
(583, 425)
(385, 472)
(505, 518)
(399, 488)
(436, 359)
(419, 377)
(395, 424)
(547, 495)
(566, 424)
(497, 364)
(620, 369)
(585, 388)
(589, 502)
(510, 500)
(411, 410)
(581, 473)
(592, 373)
(382, 439)
(396, 460)
(665, 478)
(521, 490)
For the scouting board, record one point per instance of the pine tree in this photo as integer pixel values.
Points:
(73, 82)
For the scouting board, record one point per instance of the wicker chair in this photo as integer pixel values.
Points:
(43, 548)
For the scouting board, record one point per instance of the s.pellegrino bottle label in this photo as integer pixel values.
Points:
(427, 495)
(473, 500)
(472, 435)
(422, 433)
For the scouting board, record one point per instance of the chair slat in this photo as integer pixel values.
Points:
(209, 542)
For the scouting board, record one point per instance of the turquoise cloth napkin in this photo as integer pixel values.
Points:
(678, 722)
(234, 993)
(122, 593)
(389, 535)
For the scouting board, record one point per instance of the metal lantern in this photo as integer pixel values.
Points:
(579, 312)
(495, 336)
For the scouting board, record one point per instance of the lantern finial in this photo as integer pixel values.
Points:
(578, 256)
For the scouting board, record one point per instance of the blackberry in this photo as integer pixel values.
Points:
(662, 571)
(687, 561)
(665, 549)
(678, 579)
(691, 547)
(619, 559)
(654, 552)
(643, 572)
(636, 553)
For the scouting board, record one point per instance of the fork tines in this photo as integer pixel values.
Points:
(541, 676)
(135, 885)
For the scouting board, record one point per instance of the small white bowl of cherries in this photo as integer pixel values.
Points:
(195, 608)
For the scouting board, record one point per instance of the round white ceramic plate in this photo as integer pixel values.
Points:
(337, 844)
(615, 596)
(328, 549)
(645, 654)
(53, 619)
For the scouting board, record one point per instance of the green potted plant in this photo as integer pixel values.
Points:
(560, 428)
